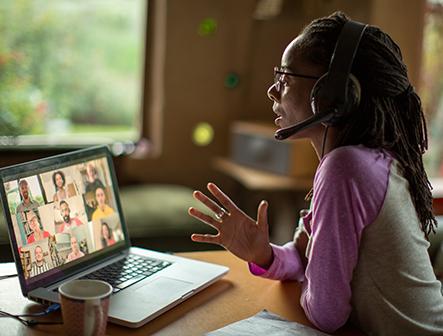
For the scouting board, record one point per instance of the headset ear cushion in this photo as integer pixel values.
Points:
(318, 95)
(321, 101)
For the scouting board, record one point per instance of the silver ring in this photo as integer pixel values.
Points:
(219, 216)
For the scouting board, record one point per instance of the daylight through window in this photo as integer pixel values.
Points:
(71, 72)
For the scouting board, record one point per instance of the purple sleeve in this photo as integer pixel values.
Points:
(285, 266)
(349, 190)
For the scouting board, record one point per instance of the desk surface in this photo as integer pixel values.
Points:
(237, 296)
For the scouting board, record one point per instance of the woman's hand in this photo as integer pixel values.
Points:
(237, 232)
(301, 240)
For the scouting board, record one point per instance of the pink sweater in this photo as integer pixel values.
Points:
(349, 189)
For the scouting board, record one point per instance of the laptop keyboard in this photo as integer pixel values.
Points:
(128, 271)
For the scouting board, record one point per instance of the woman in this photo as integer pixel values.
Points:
(75, 250)
(37, 233)
(107, 236)
(363, 254)
(59, 180)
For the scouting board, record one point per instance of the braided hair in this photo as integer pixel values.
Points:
(390, 114)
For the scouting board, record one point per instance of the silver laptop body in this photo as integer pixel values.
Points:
(83, 231)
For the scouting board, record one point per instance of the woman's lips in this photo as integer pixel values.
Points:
(278, 120)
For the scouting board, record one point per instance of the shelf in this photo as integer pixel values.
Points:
(255, 179)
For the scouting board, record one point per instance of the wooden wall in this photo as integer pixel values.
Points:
(187, 74)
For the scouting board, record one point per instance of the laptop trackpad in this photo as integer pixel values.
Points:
(162, 289)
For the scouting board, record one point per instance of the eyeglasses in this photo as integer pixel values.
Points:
(279, 72)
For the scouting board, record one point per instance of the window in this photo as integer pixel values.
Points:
(432, 85)
(71, 72)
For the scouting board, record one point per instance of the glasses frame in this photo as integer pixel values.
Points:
(278, 71)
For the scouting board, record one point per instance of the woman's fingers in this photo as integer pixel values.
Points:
(262, 216)
(222, 197)
(204, 218)
(206, 238)
(209, 203)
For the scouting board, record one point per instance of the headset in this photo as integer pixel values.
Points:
(337, 93)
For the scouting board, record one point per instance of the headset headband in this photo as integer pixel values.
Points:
(342, 60)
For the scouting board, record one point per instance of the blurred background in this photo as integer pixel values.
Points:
(177, 89)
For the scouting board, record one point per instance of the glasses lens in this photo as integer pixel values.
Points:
(277, 74)
(277, 78)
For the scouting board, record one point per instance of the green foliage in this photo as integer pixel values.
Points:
(76, 60)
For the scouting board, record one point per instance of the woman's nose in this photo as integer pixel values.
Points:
(273, 93)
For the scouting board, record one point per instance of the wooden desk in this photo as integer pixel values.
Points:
(237, 296)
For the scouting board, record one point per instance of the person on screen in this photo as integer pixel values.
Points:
(361, 250)
(92, 179)
(37, 232)
(39, 265)
(68, 221)
(92, 183)
(102, 210)
(107, 236)
(26, 204)
(59, 180)
(75, 250)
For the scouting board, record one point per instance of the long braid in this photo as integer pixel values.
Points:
(390, 114)
(408, 140)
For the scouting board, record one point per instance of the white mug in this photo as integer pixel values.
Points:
(85, 306)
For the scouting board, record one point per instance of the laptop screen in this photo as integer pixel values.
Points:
(63, 212)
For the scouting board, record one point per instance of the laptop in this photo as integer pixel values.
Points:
(65, 222)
